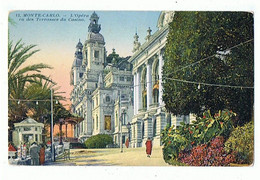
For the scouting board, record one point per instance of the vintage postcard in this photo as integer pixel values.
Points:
(128, 88)
(161, 88)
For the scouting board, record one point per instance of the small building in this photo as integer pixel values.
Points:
(27, 131)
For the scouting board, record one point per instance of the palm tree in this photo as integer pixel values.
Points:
(40, 110)
(17, 56)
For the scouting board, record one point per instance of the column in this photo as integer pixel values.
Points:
(161, 62)
(149, 84)
(135, 94)
(138, 90)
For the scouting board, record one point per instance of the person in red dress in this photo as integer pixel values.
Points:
(127, 143)
(148, 147)
(42, 155)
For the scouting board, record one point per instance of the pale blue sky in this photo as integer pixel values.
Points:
(117, 27)
(57, 40)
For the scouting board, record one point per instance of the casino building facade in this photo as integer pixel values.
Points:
(122, 96)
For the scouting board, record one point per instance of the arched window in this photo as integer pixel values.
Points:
(107, 98)
(156, 83)
(144, 89)
(96, 101)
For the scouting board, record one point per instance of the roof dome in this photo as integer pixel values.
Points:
(95, 37)
(94, 15)
(79, 45)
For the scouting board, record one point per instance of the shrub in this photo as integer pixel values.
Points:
(199, 132)
(98, 141)
(241, 141)
(212, 154)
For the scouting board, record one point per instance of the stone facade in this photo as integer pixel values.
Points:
(102, 89)
(97, 85)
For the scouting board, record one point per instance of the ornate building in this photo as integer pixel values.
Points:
(97, 85)
(150, 116)
(109, 91)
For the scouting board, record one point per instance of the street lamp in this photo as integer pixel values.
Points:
(129, 127)
(121, 124)
(51, 133)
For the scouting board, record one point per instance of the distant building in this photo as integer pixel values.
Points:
(27, 131)
(109, 90)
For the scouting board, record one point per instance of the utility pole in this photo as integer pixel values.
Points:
(51, 133)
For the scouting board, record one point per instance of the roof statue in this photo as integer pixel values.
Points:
(165, 18)
(94, 29)
(136, 43)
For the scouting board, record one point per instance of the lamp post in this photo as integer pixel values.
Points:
(122, 119)
(129, 128)
(51, 133)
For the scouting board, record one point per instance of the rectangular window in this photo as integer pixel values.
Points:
(27, 129)
(96, 101)
(122, 78)
(108, 122)
(80, 75)
(96, 54)
(128, 78)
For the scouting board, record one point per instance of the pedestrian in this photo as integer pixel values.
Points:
(42, 155)
(148, 147)
(34, 152)
(127, 143)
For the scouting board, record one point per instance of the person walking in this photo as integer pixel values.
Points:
(148, 147)
(34, 152)
(42, 155)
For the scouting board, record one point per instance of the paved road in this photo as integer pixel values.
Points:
(112, 157)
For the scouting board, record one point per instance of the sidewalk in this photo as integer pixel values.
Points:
(113, 157)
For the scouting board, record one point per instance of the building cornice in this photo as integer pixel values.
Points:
(157, 35)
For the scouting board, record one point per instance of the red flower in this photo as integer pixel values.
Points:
(169, 142)
(206, 125)
(191, 132)
(221, 123)
(204, 117)
(192, 142)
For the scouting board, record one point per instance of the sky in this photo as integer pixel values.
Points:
(57, 39)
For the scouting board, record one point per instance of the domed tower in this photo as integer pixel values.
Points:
(77, 70)
(94, 47)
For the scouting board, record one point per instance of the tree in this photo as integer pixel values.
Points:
(193, 41)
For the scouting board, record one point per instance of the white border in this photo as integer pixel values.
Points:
(74, 172)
